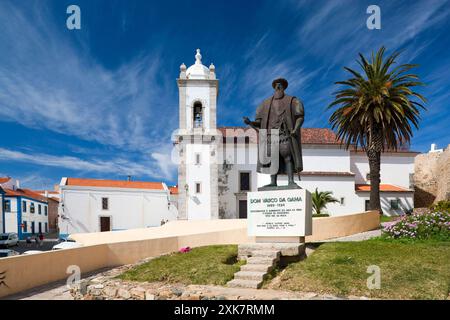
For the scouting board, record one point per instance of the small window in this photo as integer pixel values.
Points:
(395, 204)
(32, 207)
(197, 158)
(198, 187)
(25, 226)
(46, 210)
(24, 206)
(244, 181)
(367, 205)
(39, 209)
(105, 204)
(7, 205)
(342, 201)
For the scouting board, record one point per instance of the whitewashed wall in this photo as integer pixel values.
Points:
(11, 217)
(406, 201)
(128, 208)
(198, 205)
(325, 159)
(395, 169)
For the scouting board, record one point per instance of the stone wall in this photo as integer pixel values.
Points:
(431, 178)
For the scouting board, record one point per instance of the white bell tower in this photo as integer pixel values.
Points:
(197, 140)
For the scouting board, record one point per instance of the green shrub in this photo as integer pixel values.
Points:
(322, 215)
(443, 205)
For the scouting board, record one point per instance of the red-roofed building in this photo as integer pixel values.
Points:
(25, 212)
(97, 205)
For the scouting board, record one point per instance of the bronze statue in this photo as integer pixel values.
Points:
(285, 114)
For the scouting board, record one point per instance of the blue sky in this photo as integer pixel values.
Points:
(101, 102)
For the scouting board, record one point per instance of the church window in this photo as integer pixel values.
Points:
(197, 158)
(198, 115)
(198, 187)
(342, 201)
(244, 181)
(105, 204)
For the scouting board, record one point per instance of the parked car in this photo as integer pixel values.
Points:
(67, 245)
(8, 253)
(32, 252)
(9, 239)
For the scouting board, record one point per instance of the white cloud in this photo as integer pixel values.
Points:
(119, 166)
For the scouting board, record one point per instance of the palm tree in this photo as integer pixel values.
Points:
(321, 199)
(375, 110)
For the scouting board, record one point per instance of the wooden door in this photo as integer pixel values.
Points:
(242, 209)
(105, 224)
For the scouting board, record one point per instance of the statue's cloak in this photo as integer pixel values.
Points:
(293, 109)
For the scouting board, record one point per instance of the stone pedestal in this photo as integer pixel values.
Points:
(279, 216)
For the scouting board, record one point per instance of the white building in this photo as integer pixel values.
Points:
(24, 211)
(217, 166)
(89, 205)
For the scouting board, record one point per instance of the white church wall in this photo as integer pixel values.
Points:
(395, 169)
(198, 204)
(325, 159)
(240, 158)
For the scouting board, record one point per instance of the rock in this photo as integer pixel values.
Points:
(138, 293)
(124, 294)
(194, 297)
(149, 295)
(95, 292)
(165, 293)
(110, 291)
(177, 292)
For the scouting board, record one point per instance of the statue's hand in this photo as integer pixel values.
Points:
(247, 120)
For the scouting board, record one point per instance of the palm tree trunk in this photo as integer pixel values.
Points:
(374, 165)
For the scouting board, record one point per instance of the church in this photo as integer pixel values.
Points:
(217, 165)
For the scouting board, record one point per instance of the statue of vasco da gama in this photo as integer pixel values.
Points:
(279, 119)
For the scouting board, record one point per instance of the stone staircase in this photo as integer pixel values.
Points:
(258, 266)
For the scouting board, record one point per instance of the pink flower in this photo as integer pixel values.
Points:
(184, 250)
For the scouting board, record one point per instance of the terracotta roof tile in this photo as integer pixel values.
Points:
(114, 184)
(25, 193)
(4, 179)
(383, 188)
(309, 135)
(173, 190)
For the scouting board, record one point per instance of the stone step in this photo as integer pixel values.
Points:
(262, 260)
(287, 249)
(250, 275)
(267, 253)
(239, 283)
(257, 267)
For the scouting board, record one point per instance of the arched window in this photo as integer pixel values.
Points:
(198, 115)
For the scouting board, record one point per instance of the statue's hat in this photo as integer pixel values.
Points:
(283, 82)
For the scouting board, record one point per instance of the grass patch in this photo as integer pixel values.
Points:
(387, 218)
(409, 270)
(205, 265)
